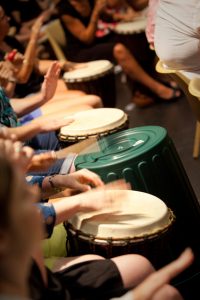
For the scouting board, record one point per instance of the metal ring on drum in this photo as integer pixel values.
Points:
(147, 158)
(94, 77)
(141, 224)
(94, 123)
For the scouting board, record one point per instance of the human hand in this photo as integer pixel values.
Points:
(79, 181)
(4, 134)
(50, 81)
(42, 161)
(15, 152)
(153, 287)
(6, 73)
(16, 58)
(48, 123)
(109, 197)
(100, 5)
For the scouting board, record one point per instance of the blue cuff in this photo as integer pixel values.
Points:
(36, 180)
(49, 215)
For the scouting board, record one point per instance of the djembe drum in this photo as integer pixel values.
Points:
(133, 27)
(141, 225)
(147, 158)
(95, 77)
(94, 123)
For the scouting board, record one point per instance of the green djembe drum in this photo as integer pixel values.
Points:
(147, 158)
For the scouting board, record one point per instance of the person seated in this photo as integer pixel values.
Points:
(23, 14)
(28, 71)
(79, 20)
(23, 272)
(177, 35)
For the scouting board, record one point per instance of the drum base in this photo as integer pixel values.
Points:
(189, 288)
(155, 248)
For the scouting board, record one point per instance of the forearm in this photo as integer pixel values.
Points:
(84, 34)
(27, 105)
(92, 27)
(25, 132)
(28, 62)
(65, 208)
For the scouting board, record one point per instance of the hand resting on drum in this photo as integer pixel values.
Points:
(93, 200)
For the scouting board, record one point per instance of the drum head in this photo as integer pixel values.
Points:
(136, 26)
(139, 215)
(90, 70)
(93, 123)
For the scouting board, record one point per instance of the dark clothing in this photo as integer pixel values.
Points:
(101, 48)
(97, 279)
(29, 9)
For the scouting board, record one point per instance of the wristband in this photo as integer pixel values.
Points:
(56, 189)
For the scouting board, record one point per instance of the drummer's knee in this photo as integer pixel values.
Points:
(94, 101)
(89, 257)
(119, 50)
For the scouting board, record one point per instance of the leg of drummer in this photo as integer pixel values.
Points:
(68, 94)
(136, 72)
(64, 262)
(63, 102)
(133, 268)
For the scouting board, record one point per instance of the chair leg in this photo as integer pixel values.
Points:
(196, 141)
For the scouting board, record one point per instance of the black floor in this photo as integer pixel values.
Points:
(176, 117)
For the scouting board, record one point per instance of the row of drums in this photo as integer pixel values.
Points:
(98, 77)
(159, 217)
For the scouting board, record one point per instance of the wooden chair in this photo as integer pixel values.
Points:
(191, 88)
(57, 39)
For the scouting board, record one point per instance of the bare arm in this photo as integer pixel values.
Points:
(30, 53)
(40, 125)
(26, 105)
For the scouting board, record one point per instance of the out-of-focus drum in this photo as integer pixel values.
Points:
(94, 123)
(95, 77)
(133, 27)
(141, 225)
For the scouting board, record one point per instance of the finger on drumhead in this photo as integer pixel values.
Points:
(163, 276)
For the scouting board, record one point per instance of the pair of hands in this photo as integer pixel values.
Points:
(80, 181)
(24, 157)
